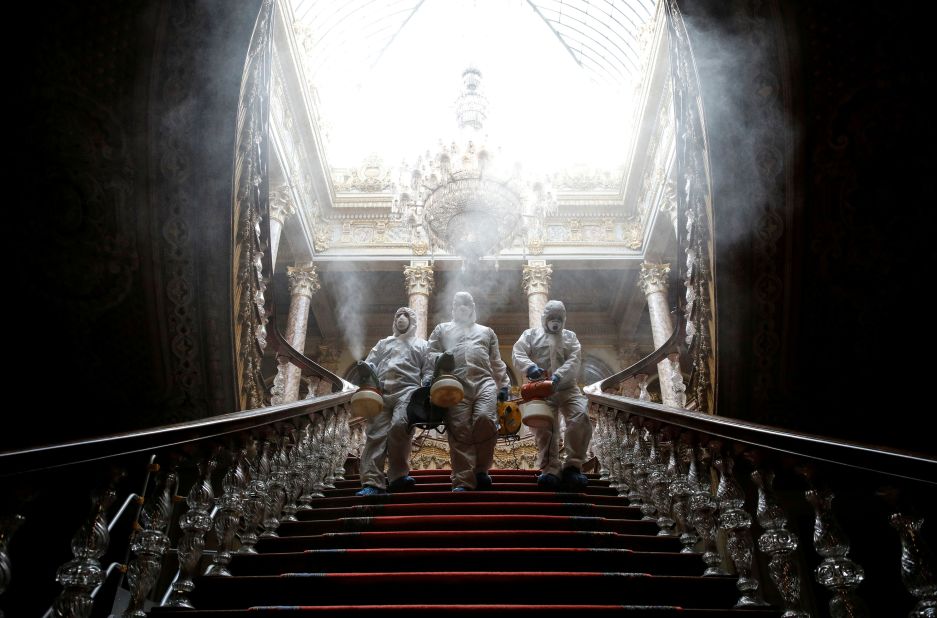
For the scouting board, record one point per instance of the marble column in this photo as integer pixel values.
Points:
(281, 208)
(419, 278)
(536, 283)
(304, 282)
(653, 282)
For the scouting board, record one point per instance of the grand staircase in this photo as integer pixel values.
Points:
(430, 551)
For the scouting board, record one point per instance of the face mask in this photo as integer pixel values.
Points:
(554, 325)
(462, 312)
(403, 323)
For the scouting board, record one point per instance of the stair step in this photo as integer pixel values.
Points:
(467, 559)
(459, 587)
(492, 472)
(446, 479)
(468, 522)
(563, 611)
(498, 486)
(513, 549)
(471, 538)
(465, 507)
(474, 496)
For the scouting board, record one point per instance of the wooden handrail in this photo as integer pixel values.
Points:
(116, 445)
(871, 458)
(649, 362)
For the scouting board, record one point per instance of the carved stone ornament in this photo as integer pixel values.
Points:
(304, 280)
(419, 247)
(371, 177)
(536, 246)
(321, 237)
(653, 278)
(537, 278)
(419, 279)
(633, 233)
(281, 205)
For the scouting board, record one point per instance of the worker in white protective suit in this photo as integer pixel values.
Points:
(399, 362)
(553, 350)
(472, 424)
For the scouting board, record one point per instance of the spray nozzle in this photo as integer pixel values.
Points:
(367, 376)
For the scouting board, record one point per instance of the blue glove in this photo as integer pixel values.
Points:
(503, 394)
(427, 381)
(534, 372)
(556, 382)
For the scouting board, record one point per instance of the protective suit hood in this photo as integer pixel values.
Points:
(464, 298)
(411, 314)
(553, 309)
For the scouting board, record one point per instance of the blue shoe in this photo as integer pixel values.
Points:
(574, 480)
(370, 490)
(460, 489)
(548, 481)
(404, 482)
(482, 480)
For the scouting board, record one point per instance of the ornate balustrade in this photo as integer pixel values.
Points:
(192, 494)
(758, 502)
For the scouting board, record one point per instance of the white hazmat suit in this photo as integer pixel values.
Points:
(400, 362)
(559, 353)
(472, 424)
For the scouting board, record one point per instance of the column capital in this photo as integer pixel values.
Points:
(537, 274)
(419, 278)
(653, 278)
(304, 280)
(281, 204)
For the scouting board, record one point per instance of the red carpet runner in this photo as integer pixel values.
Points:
(511, 550)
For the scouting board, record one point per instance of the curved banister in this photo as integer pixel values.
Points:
(104, 447)
(878, 459)
(649, 362)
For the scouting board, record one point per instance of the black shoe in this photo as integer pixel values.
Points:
(574, 480)
(548, 481)
(482, 480)
(370, 490)
(404, 482)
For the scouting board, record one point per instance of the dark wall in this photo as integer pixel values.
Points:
(123, 125)
(821, 146)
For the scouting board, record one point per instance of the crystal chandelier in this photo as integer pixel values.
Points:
(461, 196)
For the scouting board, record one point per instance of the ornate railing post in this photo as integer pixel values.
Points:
(295, 479)
(837, 572)
(277, 488)
(307, 445)
(148, 544)
(641, 454)
(627, 460)
(917, 565)
(600, 443)
(81, 575)
(194, 523)
(703, 508)
(228, 515)
(658, 481)
(328, 448)
(737, 523)
(8, 526)
(681, 490)
(255, 499)
(344, 441)
(780, 544)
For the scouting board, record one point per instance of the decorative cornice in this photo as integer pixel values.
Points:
(537, 278)
(419, 279)
(304, 280)
(653, 278)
